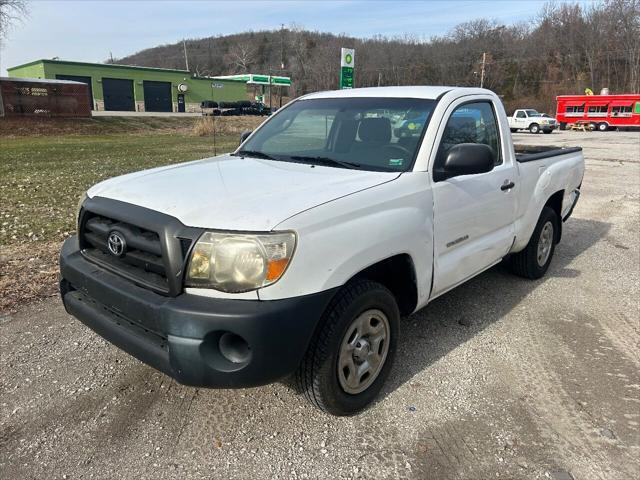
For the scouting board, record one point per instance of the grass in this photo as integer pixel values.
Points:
(41, 179)
(44, 173)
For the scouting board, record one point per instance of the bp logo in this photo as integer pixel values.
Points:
(348, 58)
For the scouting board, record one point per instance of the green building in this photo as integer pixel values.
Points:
(142, 89)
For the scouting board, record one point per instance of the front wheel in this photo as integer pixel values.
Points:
(533, 262)
(534, 128)
(350, 356)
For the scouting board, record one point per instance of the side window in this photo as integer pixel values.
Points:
(471, 123)
(521, 115)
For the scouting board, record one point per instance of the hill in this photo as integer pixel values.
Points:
(564, 50)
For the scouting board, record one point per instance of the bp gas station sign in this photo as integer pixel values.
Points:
(347, 62)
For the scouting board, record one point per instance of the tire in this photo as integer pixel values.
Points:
(593, 126)
(563, 126)
(534, 128)
(513, 130)
(547, 131)
(319, 377)
(603, 127)
(527, 263)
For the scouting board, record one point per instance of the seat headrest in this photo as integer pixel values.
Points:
(462, 122)
(375, 130)
(460, 130)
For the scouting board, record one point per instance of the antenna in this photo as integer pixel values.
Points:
(215, 152)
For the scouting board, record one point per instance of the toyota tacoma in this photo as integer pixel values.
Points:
(295, 256)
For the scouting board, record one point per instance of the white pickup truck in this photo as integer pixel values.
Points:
(532, 120)
(296, 255)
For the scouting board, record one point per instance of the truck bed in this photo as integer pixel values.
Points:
(529, 153)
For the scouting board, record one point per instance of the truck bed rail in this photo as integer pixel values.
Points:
(527, 153)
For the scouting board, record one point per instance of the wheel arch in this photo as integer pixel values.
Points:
(398, 274)
(555, 203)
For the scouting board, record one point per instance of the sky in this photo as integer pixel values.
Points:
(91, 31)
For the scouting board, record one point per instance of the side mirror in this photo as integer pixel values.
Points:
(244, 135)
(466, 159)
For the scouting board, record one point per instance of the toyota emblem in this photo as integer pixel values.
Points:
(116, 244)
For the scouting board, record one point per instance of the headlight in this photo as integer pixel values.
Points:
(235, 263)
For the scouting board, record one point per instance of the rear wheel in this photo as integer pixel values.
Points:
(534, 128)
(351, 355)
(533, 262)
(603, 127)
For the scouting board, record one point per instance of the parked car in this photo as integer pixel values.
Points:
(297, 254)
(529, 119)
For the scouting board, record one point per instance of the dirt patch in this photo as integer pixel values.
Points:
(28, 271)
(44, 127)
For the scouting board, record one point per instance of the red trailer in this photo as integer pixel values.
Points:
(600, 111)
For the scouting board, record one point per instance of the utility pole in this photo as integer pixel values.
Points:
(282, 46)
(186, 59)
(111, 56)
(379, 78)
(484, 61)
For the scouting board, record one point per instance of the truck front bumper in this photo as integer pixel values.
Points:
(197, 340)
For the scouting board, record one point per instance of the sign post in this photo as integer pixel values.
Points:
(347, 62)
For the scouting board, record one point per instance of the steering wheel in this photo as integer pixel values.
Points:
(404, 153)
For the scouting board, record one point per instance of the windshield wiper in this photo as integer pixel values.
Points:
(253, 153)
(325, 161)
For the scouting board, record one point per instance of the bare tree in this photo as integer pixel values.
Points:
(567, 47)
(10, 12)
(242, 55)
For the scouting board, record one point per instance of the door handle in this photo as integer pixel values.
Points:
(507, 185)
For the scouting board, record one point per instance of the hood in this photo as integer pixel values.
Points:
(233, 193)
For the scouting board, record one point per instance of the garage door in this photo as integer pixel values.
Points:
(76, 78)
(157, 96)
(118, 94)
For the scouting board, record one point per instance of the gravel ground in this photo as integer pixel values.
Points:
(501, 378)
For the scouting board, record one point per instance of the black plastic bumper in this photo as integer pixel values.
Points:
(181, 335)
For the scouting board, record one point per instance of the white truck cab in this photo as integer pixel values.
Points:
(532, 120)
(297, 254)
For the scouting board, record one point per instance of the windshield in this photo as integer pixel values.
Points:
(533, 113)
(381, 134)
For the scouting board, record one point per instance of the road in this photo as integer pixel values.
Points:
(501, 378)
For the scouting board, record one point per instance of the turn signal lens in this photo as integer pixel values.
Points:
(276, 268)
(236, 263)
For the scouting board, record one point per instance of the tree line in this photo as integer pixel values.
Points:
(564, 49)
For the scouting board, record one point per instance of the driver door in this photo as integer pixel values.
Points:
(473, 214)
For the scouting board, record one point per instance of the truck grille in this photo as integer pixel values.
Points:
(142, 257)
(152, 254)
